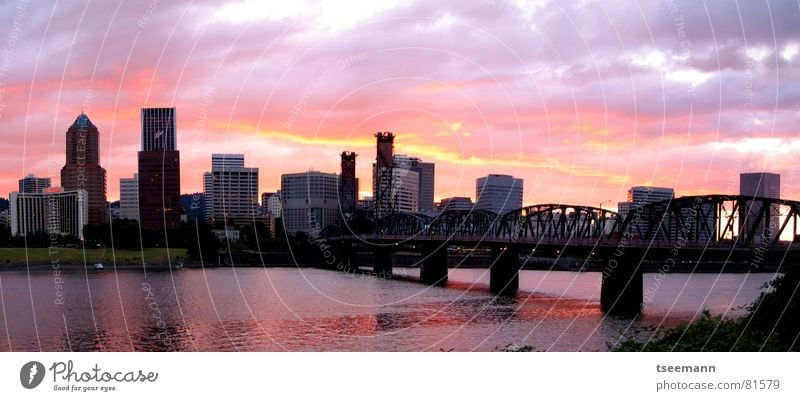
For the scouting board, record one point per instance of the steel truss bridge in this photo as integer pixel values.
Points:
(711, 228)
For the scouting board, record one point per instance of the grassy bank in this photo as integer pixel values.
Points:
(16, 256)
(771, 324)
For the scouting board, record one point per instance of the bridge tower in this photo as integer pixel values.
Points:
(383, 179)
(348, 187)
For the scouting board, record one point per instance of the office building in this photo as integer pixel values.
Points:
(159, 171)
(82, 169)
(231, 191)
(638, 197)
(456, 203)
(310, 201)
(426, 174)
(129, 198)
(405, 190)
(54, 211)
(33, 185)
(763, 185)
(158, 129)
(498, 193)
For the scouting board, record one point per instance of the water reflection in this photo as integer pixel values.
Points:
(314, 310)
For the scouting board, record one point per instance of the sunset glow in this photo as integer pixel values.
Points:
(581, 100)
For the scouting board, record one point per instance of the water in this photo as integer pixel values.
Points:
(290, 309)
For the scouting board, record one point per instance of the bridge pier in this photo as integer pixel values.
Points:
(351, 255)
(504, 271)
(434, 268)
(383, 262)
(622, 288)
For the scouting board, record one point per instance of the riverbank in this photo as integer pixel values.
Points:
(46, 257)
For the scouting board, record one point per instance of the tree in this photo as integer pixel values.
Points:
(200, 241)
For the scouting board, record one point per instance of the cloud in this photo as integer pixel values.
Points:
(580, 99)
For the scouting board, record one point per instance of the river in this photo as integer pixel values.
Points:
(290, 309)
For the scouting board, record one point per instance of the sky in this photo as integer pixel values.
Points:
(581, 99)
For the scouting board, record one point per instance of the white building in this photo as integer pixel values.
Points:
(231, 189)
(310, 201)
(498, 193)
(129, 198)
(640, 196)
(405, 191)
(426, 174)
(271, 204)
(54, 211)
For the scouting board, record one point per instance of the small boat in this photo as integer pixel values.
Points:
(98, 266)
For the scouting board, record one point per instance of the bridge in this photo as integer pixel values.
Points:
(754, 231)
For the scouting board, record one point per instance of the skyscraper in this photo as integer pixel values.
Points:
(426, 173)
(159, 170)
(498, 193)
(764, 185)
(33, 185)
(232, 191)
(82, 169)
(158, 129)
(129, 198)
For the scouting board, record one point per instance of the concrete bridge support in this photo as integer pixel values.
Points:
(504, 271)
(434, 267)
(351, 259)
(383, 261)
(621, 291)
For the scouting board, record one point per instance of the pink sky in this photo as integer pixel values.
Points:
(581, 99)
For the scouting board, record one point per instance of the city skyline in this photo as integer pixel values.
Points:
(691, 118)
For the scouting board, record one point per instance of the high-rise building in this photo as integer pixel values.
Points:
(33, 185)
(310, 201)
(233, 188)
(498, 193)
(54, 211)
(82, 169)
(129, 198)
(426, 173)
(456, 203)
(405, 190)
(159, 170)
(158, 129)
(763, 185)
(638, 197)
